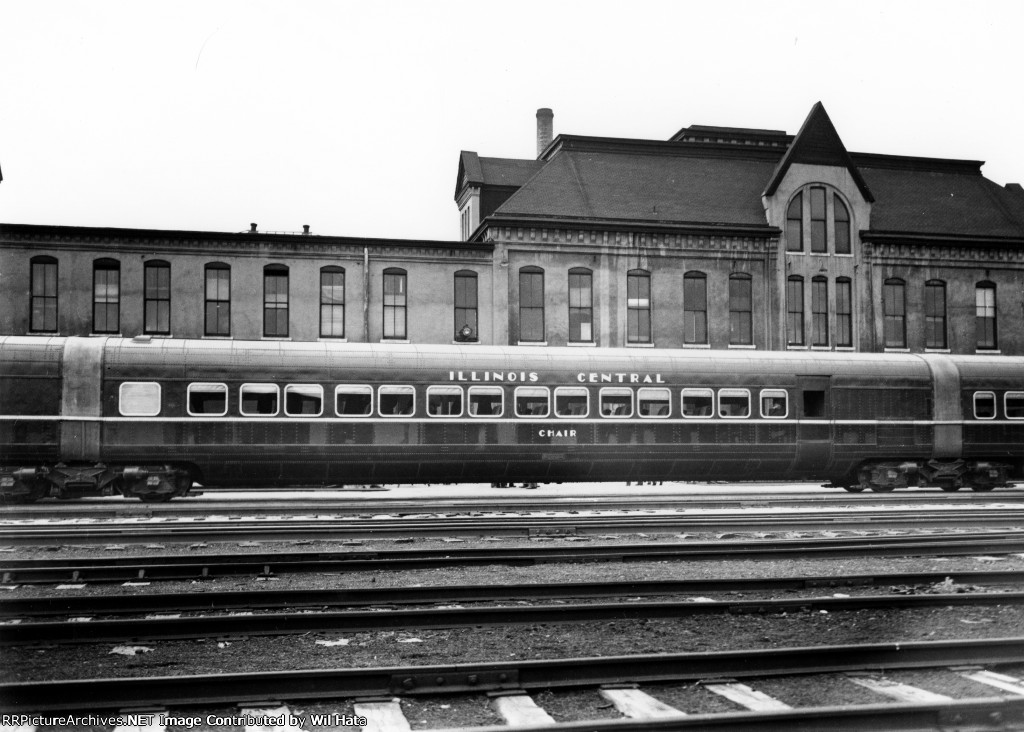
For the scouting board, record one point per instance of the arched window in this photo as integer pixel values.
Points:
(467, 325)
(43, 297)
(842, 225)
(741, 332)
(396, 304)
(894, 311)
(531, 305)
(985, 316)
(695, 307)
(157, 298)
(819, 311)
(795, 224)
(638, 306)
(844, 312)
(819, 229)
(332, 302)
(217, 305)
(275, 301)
(106, 296)
(581, 305)
(795, 311)
(934, 314)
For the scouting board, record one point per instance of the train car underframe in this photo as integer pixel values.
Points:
(150, 483)
(947, 474)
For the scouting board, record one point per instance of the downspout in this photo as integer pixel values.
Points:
(366, 294)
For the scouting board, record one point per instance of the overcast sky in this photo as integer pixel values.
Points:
(349, 116)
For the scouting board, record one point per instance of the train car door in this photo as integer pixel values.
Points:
(814, 423)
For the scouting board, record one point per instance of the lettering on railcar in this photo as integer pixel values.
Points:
(592, 377)
(500, 376)
(619, 378)
(556, 433)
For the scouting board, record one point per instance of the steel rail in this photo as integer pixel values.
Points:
(53, 605)
(179, 567)
(221, 688)
(363, 621)
(369, 527)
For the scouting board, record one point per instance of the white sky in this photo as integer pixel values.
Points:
(349, 116)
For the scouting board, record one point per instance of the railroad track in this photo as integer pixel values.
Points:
(326, 527)
(732, 674)
(190, 567)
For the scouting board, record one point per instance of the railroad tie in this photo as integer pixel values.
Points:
(1000, 681)
(636, 704)
(521, 709)
(899, 691)
(743, 695)
(383, 717)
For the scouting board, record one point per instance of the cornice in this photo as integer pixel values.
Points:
(954, 240)
(675, 227)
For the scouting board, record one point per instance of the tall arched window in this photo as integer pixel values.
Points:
(106, 296)
(531, 305)
(894, 311)
(819, 311)
(695, 307)
(332, 302)
(157, 298)
(842, 225)
(934, 314)
(638, 306)
(43, 298)
(795, 224)
(275, 301)
(985, 316)
(581, 305)
(467, 324)
(828, 228)
(396, 304)
(844, 312)
(741, 331)
(819, 227)
(217, 304)
(795, 311)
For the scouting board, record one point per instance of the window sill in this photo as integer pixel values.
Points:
(896, 350)
(466, 343)
(697, 345)
(275, 338)
(218, 338)
(328, 339)
(106, 335)
(639, 345)
(531, 343)
(821, 348)
(937, 350)
(44, 333)
(582, 344)
(846, 349)
(743, 346)
(988, 352)
(395, 340)
(792, 347)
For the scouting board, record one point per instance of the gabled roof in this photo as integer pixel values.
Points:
(500, 172)
(817, 143)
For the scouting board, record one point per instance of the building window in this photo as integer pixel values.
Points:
(581, 305)
(740, 310)
(844, 313)
(467, 326)
(819, 311)
(894, 310)
(332, 302)
(157, 298)
(795, 311)
(106, 296)
(218, 300)
(638, 306)
(395, 303)
(695, 308)
(842, 219)
(43, 298)
(531, 304)
(819, 231)
(275, 301)
(985, 315)
(934, 314)
(795, 224)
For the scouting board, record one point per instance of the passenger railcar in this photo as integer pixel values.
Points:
(147, 417)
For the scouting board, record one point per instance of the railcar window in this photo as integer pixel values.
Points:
(486, 401)
(616, 402)
(1013, 404)
(139, 399)
(303, 400)
(259, 400)
(396, 401)
(698, 403)
(572, 401)
(353, 401)
(532, 401)
(209, 400)
(444, 401)
(651, 402)
(733, 403)
(984, 405)
(774, 403)
(814, 403)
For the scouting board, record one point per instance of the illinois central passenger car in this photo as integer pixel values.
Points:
(146, 417)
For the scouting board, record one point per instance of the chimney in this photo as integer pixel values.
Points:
(545, 129)
(305, 229)
(252, 228)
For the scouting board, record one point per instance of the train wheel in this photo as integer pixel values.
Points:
(949, 487)
(982, 488)
(883, 488)
(854, 488)
(156, 497)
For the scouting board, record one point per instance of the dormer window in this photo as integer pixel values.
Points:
(818, 221)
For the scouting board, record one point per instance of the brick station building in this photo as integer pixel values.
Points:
(716, 238)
